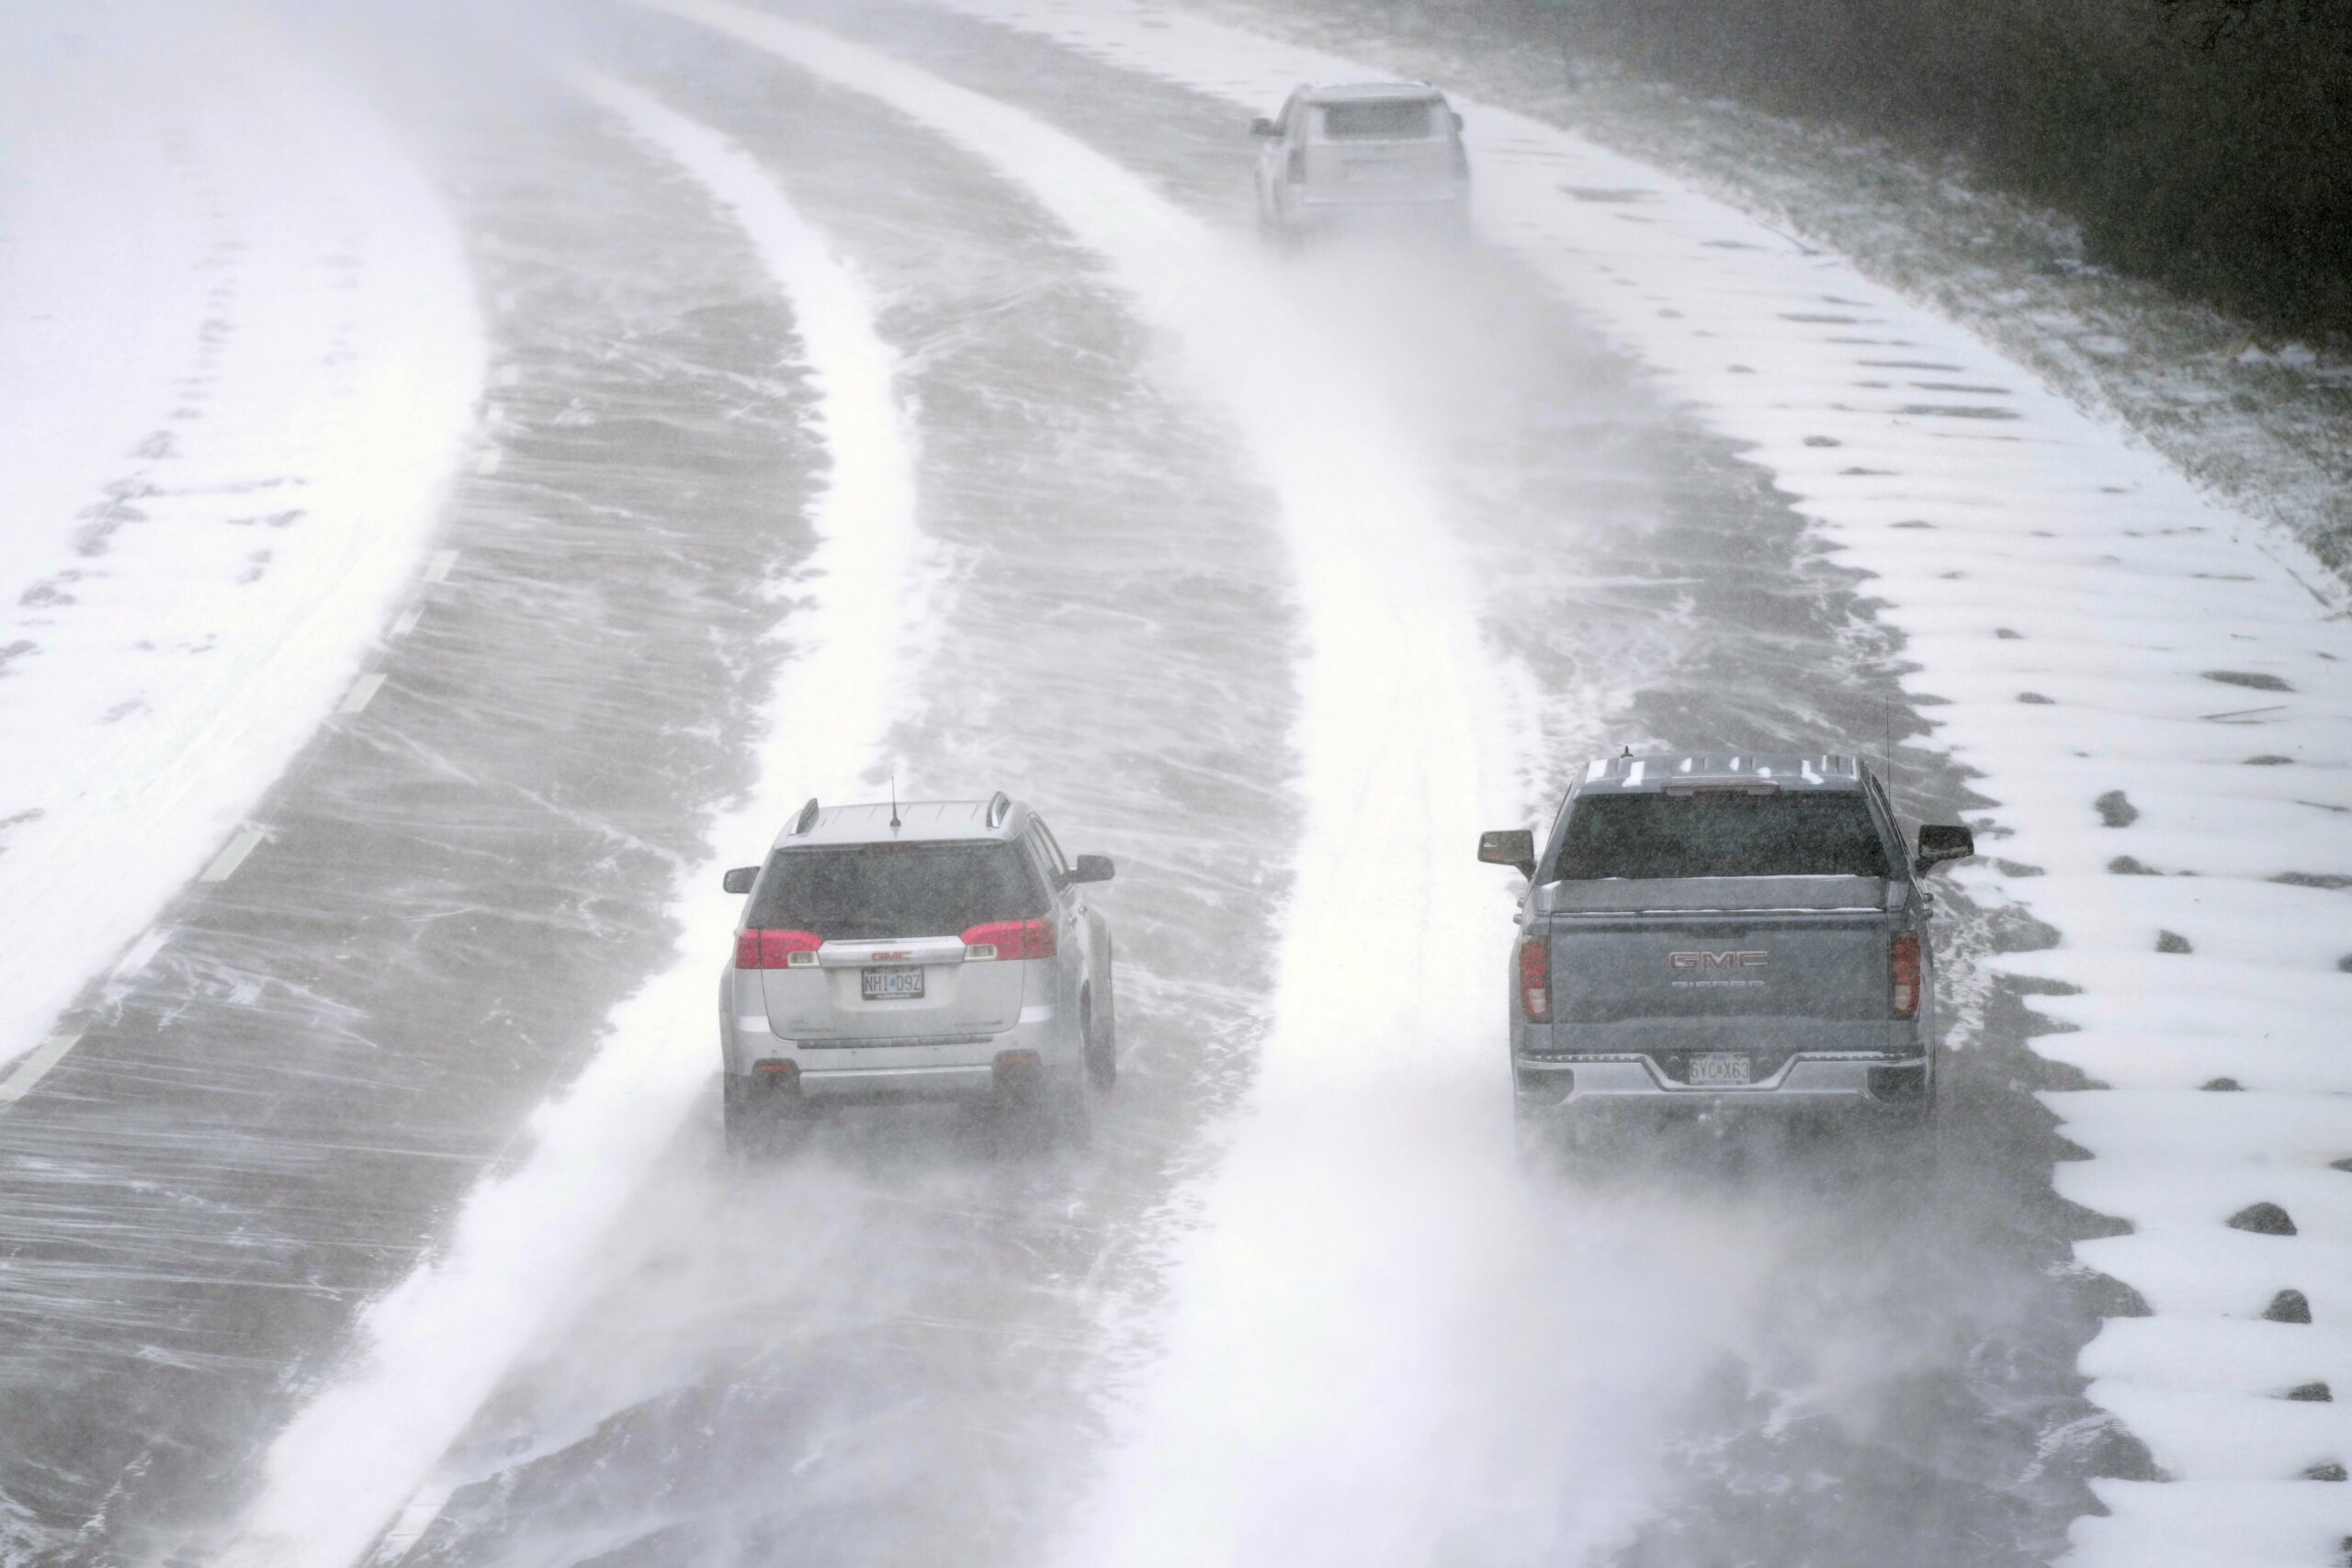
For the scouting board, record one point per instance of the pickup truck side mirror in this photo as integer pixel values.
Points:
(1938, 844)
(1092, 868)
(740, 880)
(1509, 846)
(1261, 125)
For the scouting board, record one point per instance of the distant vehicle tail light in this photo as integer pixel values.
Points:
(1535, 979)
(776, 949)
(1904, 966)
(1011, 938)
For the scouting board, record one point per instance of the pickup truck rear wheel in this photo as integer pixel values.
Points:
(1547, 1139)
(1921, 1124)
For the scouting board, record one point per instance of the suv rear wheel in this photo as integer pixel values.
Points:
(757, 1124)
(1102, 1045)
(1049, 1110)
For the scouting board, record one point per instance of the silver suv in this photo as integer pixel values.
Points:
(934, 950)
(1380, 152)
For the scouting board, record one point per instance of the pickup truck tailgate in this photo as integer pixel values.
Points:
(1809, 967)
(1772, 964)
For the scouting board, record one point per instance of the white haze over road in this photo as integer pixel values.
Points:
(432, 1350)
(238, 359)
(1351, 1291)
(1372, 1342)
(2158, 693)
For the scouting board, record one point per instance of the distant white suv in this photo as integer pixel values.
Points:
(1378, 151)
(939, 950)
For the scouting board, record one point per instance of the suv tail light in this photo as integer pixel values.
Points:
(1904, 969)
(776, 949)
(1535, 979)
(1011, 938)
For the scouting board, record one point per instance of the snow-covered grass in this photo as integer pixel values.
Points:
(430, 1350)
(238, 362)
(2154, 692)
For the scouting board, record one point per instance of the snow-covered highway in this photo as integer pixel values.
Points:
(742, 401)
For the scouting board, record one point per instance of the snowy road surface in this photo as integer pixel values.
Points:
(699, 405)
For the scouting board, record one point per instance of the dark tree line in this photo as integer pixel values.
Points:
(2204, 142)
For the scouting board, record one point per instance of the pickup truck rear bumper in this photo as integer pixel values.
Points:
(1805, 1082)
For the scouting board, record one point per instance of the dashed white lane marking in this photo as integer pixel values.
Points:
(224, 864)
(139, 951)
(363, 693)
(407, 623)
(409, 1528)
(439, 568)
(35, 1067)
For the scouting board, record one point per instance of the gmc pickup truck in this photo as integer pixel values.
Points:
(1719, 933)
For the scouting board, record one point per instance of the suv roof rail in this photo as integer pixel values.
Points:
(807, 817)
(1000, 807)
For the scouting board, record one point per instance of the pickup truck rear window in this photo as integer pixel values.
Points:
(872, 891)
(1665, 836)
(1391, 121)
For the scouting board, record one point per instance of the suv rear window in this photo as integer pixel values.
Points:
(1392, 121)
(870, 891)
(1720, 834)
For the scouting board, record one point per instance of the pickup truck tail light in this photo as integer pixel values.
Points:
(1535, 979)
(1011, 938)
(1297, 172)
(776, 949)
(1904, 973)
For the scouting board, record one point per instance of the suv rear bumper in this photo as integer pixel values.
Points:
(1375, 198)
(762, 1066)
(1803, 1082)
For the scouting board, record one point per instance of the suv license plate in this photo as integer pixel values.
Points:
(899, 985)
(1712, 1069)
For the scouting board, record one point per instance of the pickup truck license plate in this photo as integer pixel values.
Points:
(1712, 1069)
(895, 985)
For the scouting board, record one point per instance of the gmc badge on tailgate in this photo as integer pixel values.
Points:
(1716, 960)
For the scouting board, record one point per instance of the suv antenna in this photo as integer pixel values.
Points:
(1625, 753)
(895, 823)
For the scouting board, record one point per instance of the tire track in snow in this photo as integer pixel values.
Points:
(357, 1458)
(1370, 1349)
